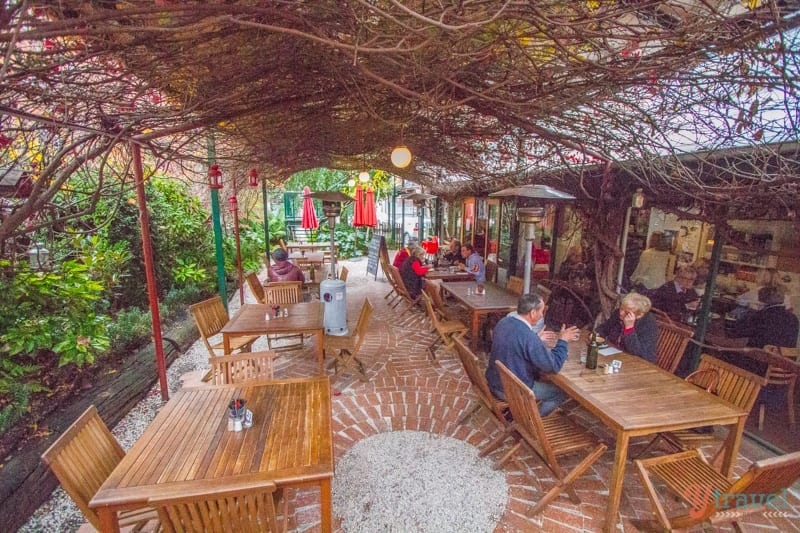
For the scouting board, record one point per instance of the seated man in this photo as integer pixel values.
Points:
(673, 296)
(518, 347)
(633, 328)
(773, 324)
(282, 269)
(453, 254)
(473, 263)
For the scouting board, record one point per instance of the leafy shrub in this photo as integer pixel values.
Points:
(131, 329)
(17, 406)
(348, 242)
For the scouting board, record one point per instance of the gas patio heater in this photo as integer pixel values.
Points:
(332, 290)
(531, 216)
(420, 200)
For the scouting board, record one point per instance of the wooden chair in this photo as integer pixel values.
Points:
(661, 316)
(733, 384)
(549, 437)
(491, 271)
(672, 342)
(433, 288)
(781, 377)
(210, 316)
(247, 506)
(543, 292)
(232, 369)
(478, 379)
(82, 458)
(348, 346)
(256, 288)
(387, 271)
(343, 274)
(279, 293)
(515, 284)
(446, 329)
(400, 288)
(283, 292)
(711, 496)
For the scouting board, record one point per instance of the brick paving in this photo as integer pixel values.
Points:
(407, 390)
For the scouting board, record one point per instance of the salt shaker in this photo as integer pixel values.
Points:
(286, 312)
(266, 317)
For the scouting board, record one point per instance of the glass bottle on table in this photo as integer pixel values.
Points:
(592, 350)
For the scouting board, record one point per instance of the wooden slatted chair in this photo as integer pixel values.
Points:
(781, 377)
(280, 293)
(549, 437)
(348, 346)
(251, 366)
(672, 342)
(733, 384)
(491, 271)
(515, 284)
(283, 292)
(256, 288)
(246, 506)
(400, 288)
(387, 271)
(433, 288)
(343, 274)
(446, 329)
(210, 316)
(543, 292)
(711, 496)
(82, 458)
(661, 316)
(478, 379)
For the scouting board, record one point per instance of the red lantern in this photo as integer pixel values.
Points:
(253, 177)
(233, 204)
(214, 177)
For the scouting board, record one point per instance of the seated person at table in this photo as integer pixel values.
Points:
(473, 263)
(413, 272)
(673, 296)
(773, 324)
(573, 269)
(404, 252)
(453, 254)
(655, 264)
(524, 353)
(282, 269)
(633, 328)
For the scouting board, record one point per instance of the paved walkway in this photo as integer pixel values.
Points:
(407, 390)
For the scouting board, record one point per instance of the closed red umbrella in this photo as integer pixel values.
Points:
(309, 220)
(370, 217)
(358, 215)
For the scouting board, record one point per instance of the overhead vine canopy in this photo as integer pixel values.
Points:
(485, 93)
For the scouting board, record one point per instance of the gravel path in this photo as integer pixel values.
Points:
(413, 481)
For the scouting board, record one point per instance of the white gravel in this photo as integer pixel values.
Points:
(412, 481)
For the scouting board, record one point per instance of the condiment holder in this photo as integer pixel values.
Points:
(238, 416)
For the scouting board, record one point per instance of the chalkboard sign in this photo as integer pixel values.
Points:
(376, 247)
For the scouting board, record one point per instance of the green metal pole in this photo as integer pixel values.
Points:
(266, 217)
(215, 219)
(705, 305)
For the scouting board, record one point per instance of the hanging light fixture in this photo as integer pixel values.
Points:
(233, 203)
(214, 177)
(253, 177)
(351, 182)
(401, 156)
(363, 177)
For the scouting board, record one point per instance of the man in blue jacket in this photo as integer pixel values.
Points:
(518, 347)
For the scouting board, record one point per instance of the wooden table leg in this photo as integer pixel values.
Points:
(321, 350)
(326, 509)
(475, 323)
(615, 486)
(732, 443)
(226, 344)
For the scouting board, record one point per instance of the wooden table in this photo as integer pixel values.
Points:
(303, 318)
(304, 247)
(188, 445)
(642, 400)
(495, 300)
(444, 274)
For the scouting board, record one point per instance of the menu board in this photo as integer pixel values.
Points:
(376, 247)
